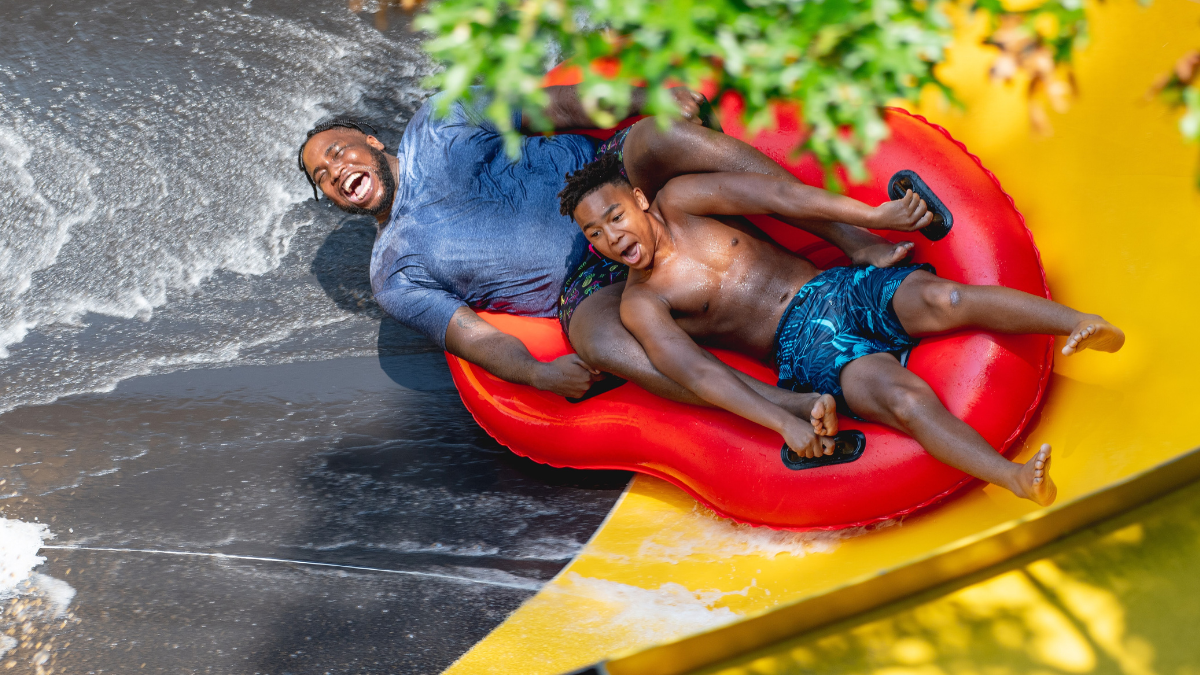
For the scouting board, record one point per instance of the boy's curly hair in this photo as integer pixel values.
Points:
(606, 169)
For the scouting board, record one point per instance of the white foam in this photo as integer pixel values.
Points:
(57, 593)
(19, 546)
(645, 616)
(198, 179)
(706, 535)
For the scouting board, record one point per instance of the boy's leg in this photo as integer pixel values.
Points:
(879, 389)
(927, 304)
(652, 157)
(601, 340)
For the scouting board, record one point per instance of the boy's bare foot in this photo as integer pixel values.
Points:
(1094, 333)
(906, 214)
(824, 416)
(1033, 479)
(884, 254)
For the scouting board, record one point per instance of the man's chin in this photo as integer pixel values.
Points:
(373, 211)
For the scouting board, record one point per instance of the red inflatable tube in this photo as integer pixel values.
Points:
(740, 469)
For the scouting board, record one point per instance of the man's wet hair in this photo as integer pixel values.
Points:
(325, 124)
(605, 170)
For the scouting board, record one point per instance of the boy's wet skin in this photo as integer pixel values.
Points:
(698, 276)
(714, 277)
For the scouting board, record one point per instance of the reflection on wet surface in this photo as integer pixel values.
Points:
(1123, 598)
(293, 517)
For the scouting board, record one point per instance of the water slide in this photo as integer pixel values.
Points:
(1111, 201)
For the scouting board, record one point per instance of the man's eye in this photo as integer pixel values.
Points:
(339, 152)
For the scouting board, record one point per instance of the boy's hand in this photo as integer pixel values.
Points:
(907, 214)
(801, 438)
(568, 376)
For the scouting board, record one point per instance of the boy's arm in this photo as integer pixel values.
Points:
(677, 356)
(742, 194)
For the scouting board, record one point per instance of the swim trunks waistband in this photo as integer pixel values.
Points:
(615, 145)
(592, 274)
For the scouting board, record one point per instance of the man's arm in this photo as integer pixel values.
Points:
(677, 356)
(740, 194)
(470, 337)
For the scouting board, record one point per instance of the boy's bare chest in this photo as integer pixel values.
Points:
(727, 295)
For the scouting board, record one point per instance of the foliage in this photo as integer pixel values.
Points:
(842, 60)
(1041, 41)
(1180, 89)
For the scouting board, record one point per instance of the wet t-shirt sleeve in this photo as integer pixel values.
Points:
(422, 308)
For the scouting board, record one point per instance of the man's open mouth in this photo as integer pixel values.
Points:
(632, 254)
(357, 187)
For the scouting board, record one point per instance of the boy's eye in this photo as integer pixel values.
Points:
(594, 234)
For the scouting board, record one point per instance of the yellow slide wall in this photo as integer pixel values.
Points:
(1111, 202)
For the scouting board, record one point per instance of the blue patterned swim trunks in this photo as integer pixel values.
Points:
(843, 314)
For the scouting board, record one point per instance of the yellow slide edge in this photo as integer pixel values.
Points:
(953, 561)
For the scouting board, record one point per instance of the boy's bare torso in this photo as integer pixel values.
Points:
(725, 282)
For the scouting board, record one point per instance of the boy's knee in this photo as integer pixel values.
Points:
(905, 403)
(943, 298)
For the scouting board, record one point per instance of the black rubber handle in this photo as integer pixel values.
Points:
(603, 386)
(847, 447)
(943, 220)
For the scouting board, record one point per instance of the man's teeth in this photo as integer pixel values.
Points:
(363, 186)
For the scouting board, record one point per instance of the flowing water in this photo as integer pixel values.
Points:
(150, 199)
(226, 457)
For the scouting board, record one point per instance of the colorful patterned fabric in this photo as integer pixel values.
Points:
(594, 273)
(616, 145)
(843, 314)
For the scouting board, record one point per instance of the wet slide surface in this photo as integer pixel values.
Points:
(194, 372)
(330, 462)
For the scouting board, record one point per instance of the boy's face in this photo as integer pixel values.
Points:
(614, 220)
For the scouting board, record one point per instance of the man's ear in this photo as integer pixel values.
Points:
(640, 197)
(374, 143)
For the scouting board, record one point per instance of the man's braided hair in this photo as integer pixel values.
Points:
(325, 124)
(605, 170)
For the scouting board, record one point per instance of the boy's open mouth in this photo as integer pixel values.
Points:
(357, 187)
(632, 254)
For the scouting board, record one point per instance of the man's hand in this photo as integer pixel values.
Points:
(690, 104)
(906, 214)
(801, 438)
(470, 337)
(567, 376)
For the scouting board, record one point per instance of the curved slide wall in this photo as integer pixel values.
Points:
(1110, 200)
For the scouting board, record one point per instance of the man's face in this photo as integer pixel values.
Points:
(614, 220)
(352, 170)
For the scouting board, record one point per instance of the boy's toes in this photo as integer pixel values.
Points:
(1097, 334)
(824, 416)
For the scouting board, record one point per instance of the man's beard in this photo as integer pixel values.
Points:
(384, 171)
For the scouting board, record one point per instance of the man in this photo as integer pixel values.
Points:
(464, 228)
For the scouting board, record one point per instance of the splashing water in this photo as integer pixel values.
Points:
(145, 152)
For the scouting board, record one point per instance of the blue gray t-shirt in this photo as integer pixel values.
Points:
(471, 227)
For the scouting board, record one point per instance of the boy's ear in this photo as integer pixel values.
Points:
(640, 197)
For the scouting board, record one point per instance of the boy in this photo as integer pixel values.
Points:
(698, 272)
